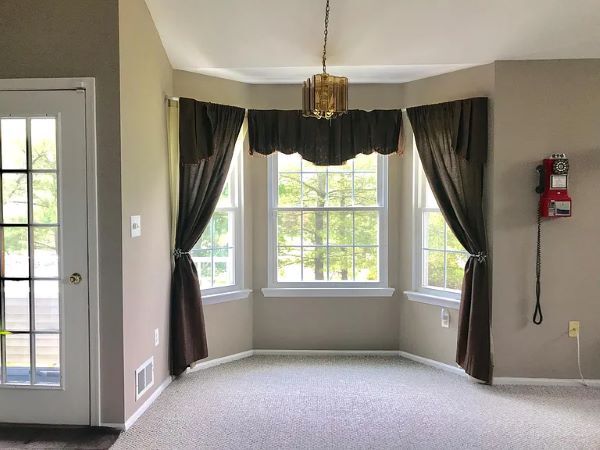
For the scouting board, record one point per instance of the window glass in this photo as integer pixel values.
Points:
(442, 256)
(326, 220)
(215, 252)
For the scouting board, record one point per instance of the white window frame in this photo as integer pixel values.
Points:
(448, 298)
(236, 290)
(328, 288)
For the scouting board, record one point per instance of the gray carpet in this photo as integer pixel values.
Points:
(268, 402)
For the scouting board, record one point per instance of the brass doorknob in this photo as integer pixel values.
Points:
(75, 278)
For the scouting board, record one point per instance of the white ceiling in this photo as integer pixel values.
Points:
(370, 41)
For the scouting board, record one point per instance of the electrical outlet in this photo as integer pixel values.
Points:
(156, 337)
(445, 316)
(573, 328)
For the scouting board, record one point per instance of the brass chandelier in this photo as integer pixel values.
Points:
(323, 95)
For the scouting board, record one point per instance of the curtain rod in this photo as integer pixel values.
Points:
(176, 99)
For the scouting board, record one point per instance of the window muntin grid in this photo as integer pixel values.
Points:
(29, 258)
(328, 223)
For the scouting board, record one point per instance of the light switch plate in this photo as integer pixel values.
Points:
(156, 337)
(136, 226)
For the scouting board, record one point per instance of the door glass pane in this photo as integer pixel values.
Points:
(16, 305)
(45, 252)
(43, 143)
(45, 198)
(16, 252)
(14, 139)
(47, 359)
(47, 310)
(17, 359)
(14, 197)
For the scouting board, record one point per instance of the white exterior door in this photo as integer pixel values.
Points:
(44, 330)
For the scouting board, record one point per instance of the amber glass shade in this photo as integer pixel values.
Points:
(325, 96)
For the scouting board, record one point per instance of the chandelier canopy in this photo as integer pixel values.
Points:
(324, 95)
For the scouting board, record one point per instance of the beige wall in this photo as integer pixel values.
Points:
(544, 107)
(63, 38)
(146, 78)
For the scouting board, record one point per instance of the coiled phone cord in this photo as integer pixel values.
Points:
(538, 317)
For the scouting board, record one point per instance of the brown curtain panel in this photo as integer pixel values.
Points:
(452, 141)
(325, 142)
(207, 136)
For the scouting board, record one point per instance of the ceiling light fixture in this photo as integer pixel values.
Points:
(325, 96)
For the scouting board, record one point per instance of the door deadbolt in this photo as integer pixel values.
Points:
(75, 278)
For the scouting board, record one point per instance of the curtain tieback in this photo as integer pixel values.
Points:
(481, 256)
(178, 253)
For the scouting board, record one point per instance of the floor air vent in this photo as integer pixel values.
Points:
(144, 378)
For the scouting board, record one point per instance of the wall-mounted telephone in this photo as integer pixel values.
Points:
(554, 180)
(554, 202)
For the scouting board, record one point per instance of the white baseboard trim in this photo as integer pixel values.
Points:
(433, 363)
(219, 361)
(142, 409)
(517, 381)
(264, 352)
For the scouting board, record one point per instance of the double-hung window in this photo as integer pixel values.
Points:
(328, 225)
(218, 252)
(439, 259)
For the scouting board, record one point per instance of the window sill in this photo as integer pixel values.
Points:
(327, 292)
(430, 299)
(222, 297)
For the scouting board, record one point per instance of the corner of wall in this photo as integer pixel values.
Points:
(146, 77)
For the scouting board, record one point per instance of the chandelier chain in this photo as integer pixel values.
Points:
(325, 37)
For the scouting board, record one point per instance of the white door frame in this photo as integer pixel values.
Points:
(88, 85)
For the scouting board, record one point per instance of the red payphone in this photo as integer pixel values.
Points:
(554, 202)
(554, 180)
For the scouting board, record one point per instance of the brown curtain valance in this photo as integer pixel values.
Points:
(325, 142)
(200, 125)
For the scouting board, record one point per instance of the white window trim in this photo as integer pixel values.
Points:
(327, 288)
(431, 296)
(222, 297)
(235, 291)
(324, 292)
